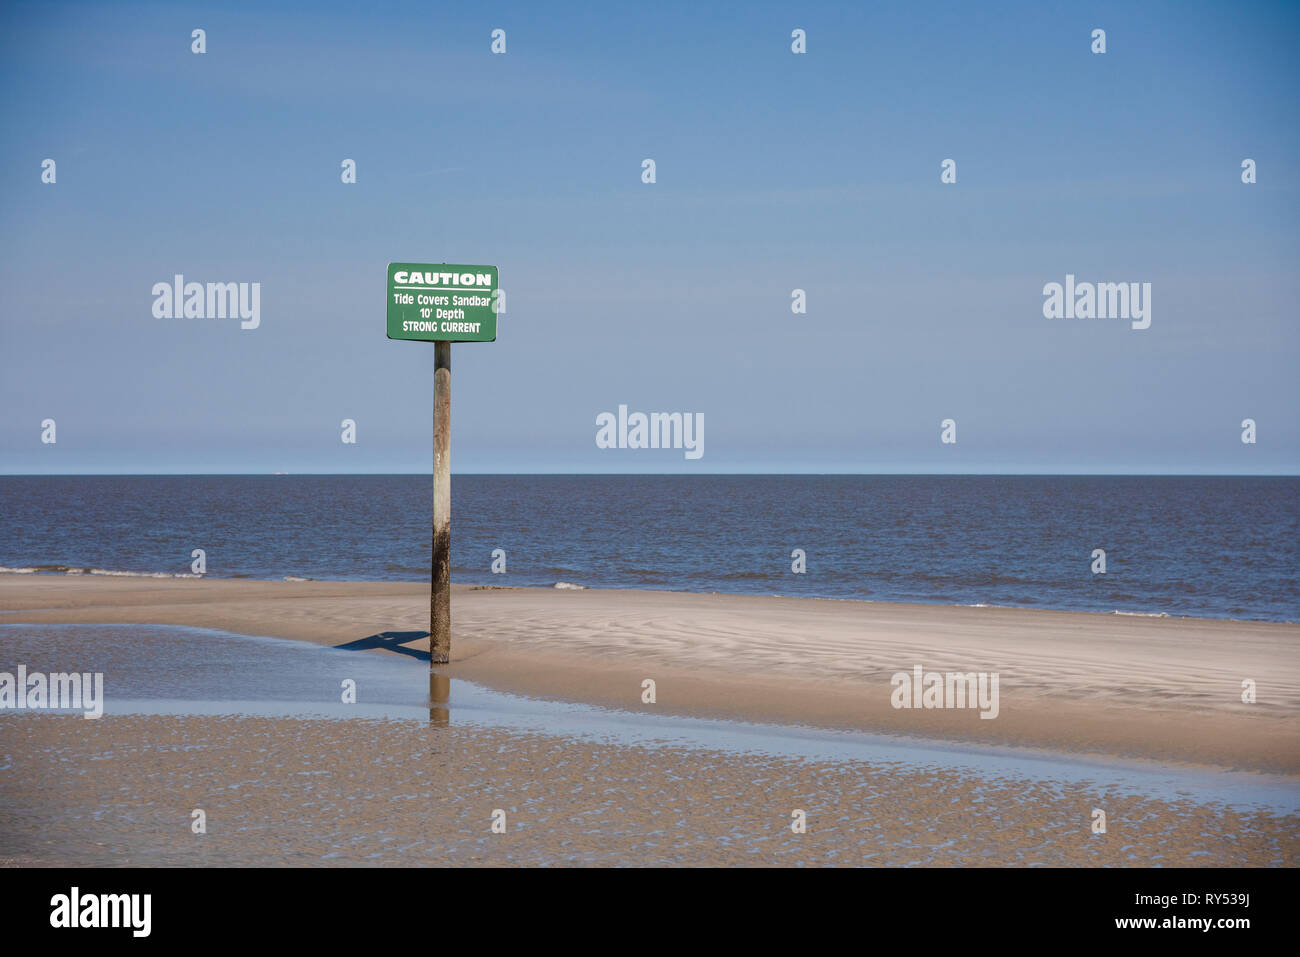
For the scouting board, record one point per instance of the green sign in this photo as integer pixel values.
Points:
(441, 302)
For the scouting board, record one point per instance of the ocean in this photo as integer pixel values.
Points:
(1212, 547)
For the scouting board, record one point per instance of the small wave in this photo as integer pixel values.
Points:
(1142, 614)
(110, 572)
(570, 586)
(120, 574)
(295, 578)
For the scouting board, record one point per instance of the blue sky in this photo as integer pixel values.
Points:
(775, 171)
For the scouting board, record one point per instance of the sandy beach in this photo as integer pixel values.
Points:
(1157, 688)
(121, 792)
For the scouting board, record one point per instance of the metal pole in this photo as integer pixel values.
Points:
(440, 571)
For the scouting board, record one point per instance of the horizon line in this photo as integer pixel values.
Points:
(429, 474)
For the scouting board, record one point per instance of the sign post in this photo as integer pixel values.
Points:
(440, 574)
(442, 304)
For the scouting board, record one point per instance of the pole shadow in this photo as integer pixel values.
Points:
(439, 685)
(389, 641)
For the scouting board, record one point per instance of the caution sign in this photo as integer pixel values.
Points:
(442, 302)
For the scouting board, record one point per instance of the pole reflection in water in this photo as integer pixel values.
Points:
(439, 695)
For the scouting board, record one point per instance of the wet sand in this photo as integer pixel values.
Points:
(259, 734)
(1168, 689)
(120, 791)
